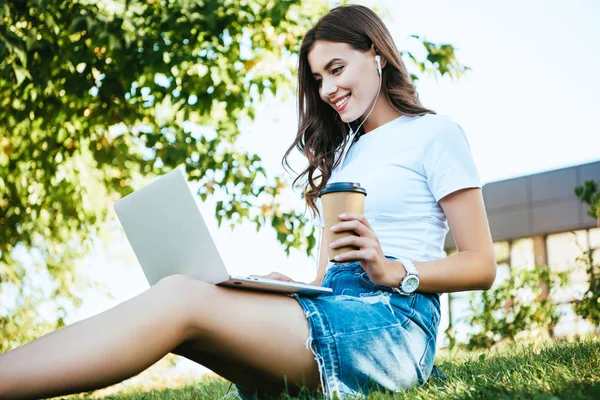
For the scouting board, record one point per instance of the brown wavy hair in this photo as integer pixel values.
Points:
(320, 130)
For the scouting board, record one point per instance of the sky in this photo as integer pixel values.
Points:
(529, 104)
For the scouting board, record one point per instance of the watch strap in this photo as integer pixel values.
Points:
(411, 270)
(409, 267)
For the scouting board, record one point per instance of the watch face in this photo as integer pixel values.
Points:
(410, 284)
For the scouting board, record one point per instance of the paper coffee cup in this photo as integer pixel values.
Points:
(338, 198)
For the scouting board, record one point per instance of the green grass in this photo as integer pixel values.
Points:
(555, 370)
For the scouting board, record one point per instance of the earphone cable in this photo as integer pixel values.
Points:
(227, 394)
(354, 133)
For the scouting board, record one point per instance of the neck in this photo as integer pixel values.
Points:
(382, 114)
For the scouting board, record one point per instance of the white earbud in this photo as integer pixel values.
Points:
(378, 59)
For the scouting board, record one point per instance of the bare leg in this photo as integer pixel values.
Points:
(245, 376)
(266, 334)
(96, 352)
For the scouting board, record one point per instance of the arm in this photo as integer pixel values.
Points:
(323, 259)
(474, 266)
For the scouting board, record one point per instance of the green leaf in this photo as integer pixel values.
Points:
(20, 73)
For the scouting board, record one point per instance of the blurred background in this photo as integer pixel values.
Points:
(97, 99)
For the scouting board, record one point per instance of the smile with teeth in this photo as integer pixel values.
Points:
(341, 102)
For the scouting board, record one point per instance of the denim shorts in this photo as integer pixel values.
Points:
(365, 337)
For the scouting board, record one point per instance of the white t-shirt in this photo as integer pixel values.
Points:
(406, 166)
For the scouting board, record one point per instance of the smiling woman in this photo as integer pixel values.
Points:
(361, 121)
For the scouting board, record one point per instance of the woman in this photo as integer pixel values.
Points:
(371, 333)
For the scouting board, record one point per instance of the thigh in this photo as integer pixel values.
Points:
(247, 333)
(232, 370)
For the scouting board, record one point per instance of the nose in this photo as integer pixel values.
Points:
(328, 87)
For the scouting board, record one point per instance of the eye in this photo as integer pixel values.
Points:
(337, 70)
(319, 81)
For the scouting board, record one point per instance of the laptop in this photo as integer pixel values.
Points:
(169, 236)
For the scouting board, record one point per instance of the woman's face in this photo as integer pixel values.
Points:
(348, 78)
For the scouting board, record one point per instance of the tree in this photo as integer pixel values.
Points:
(95, 98)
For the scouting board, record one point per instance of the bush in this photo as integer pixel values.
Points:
(589, 306)
(519, 304)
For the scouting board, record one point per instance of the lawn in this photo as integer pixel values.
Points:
(554, 370)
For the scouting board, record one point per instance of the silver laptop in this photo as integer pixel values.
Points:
(168, 235)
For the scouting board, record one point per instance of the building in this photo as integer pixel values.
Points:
(537, 221)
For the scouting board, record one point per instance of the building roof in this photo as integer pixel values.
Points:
(537, 204)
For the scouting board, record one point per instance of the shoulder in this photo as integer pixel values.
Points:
(433, 125)
(439, 131)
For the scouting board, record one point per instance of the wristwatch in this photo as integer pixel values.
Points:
(409, 284)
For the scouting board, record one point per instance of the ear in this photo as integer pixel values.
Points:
(374, 52)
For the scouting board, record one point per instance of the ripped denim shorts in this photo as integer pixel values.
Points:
(366, 337)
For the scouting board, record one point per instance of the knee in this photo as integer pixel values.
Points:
(183, 296)
(173, 281)
(180, 288)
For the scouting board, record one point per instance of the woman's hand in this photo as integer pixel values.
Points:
(381, 270)
(276, 276)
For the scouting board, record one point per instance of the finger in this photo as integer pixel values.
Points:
(356, 216)
(282, 278)
(356, 241)
(353, 225)
(353, 255)
(278, 277)
(268, 276)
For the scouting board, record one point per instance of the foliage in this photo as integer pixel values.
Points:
(589, 194)
(589, 306)
(440, 60)
(98, 98)
(519, 304)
